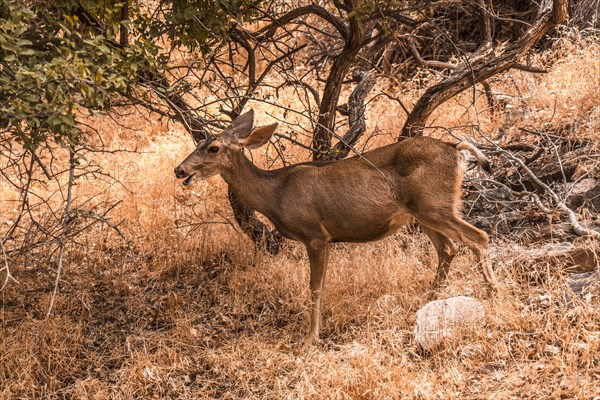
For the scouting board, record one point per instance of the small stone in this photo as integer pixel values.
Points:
(471, 351)
(149, 373)
(442, 319)
(585, 192)
(552, 350)
(580, 347)
(583, 283)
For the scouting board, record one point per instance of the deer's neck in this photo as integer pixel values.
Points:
(253, 186)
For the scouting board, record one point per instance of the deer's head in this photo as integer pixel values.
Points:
(215, 153)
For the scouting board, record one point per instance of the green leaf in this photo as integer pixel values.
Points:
(99, 78)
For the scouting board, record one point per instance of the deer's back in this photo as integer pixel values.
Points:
(367, 197)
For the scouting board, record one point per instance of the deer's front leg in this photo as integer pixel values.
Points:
(318, 252)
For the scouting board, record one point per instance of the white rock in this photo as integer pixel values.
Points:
(149, 373)
(446, 318)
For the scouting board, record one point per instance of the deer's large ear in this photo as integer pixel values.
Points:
(258, 137)
(242, 125)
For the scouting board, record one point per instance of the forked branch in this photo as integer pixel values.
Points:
(476, 69)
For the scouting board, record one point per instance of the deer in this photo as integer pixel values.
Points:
(358, 199)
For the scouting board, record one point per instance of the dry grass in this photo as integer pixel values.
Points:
(194, 312)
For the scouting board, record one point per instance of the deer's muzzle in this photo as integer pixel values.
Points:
(180, 172)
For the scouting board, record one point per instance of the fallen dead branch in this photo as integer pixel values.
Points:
(557, 203)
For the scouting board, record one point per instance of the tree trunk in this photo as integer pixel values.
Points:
(356, 115)
(322, 136)
(124, 32)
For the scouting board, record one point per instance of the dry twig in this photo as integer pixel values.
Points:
(559, 204)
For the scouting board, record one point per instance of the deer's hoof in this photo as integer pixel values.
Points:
(312, 340)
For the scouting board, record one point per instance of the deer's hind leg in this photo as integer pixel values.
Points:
(454, 228)
(446, 251)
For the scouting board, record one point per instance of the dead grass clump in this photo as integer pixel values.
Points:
(228, 324)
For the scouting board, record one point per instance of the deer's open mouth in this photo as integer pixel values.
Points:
(189, 180)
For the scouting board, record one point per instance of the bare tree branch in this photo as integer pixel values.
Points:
(551, 13)
(356, 118)
(268, 31)
(578, 229)
(427, 63)
(65, 228)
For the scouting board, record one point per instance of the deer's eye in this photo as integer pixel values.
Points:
(213, 150)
